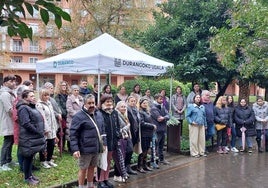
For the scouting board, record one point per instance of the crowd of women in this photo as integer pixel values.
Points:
(229, 122)
(133, 123)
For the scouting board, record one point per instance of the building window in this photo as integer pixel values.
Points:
(34, 46)
(33, 59)
(16, 59)
(17, 46)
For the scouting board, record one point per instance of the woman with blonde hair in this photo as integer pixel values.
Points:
(223, 117)
(45, 107)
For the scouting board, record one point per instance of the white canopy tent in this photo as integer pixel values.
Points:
(103, 55)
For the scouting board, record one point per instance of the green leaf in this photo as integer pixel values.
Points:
(58, 21)
(10, 31)
(29, 8)
(65, 16)
(44, 15)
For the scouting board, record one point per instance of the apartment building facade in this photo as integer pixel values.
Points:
(19, 56)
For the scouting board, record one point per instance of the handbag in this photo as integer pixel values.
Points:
(102, 161)
(219, 126)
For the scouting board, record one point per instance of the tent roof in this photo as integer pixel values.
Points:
(104, 54)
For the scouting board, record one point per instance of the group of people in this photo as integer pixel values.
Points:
(229, 122)
(113, 127)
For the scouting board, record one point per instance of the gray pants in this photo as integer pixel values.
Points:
(6, 151)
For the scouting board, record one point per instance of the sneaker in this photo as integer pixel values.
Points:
(220, 150)
(224, 150)
(250, 149)
(154, 165)
(5, 167)
(227, 148)
(45, 164)
(233, 149)
(119, 179)
(31, 181)
(203, 155)
(241, 149)
(35, 178)
(52, 164)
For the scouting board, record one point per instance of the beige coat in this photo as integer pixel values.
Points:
(51, 126)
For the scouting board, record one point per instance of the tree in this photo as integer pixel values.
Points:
(243, 45)
(12, 13)
(92, 18)
(181, 35)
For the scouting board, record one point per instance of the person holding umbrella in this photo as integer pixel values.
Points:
(244, 118)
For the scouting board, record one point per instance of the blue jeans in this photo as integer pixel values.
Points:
(6, 150)
(210, 132)
(153, 148)
(160, 144)
(233, 139)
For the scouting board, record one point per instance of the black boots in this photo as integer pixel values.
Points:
(140, 161)
(130, 171)
(260, 150)
(145, 167)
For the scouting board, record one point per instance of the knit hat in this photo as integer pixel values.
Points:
(142, 100)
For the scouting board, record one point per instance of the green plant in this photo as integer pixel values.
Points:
(65, 172)
(172, 121)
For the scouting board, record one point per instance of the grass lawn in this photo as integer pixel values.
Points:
(66, 171)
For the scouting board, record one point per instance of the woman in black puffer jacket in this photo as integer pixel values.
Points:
(244, 117)
(147, 130)
(31, 133)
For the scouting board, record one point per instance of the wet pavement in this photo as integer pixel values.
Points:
(216, 170)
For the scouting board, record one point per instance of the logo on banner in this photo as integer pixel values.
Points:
(117, 62)
(127, 63)
(63, 63)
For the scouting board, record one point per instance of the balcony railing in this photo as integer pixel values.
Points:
(17, 49)
(34, 49)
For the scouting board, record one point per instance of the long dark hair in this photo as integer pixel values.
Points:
(232, 103)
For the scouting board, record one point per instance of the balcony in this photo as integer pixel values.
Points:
(26, 49)
(17, 49)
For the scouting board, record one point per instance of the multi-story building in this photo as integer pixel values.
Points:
(19, 56)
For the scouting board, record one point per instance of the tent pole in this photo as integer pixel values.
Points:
(170, 94)
(37, 85)
(99, 86)
(110, 75)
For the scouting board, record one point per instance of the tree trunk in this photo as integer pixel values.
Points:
(243, 90)
(223, 89)
(266, 94)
